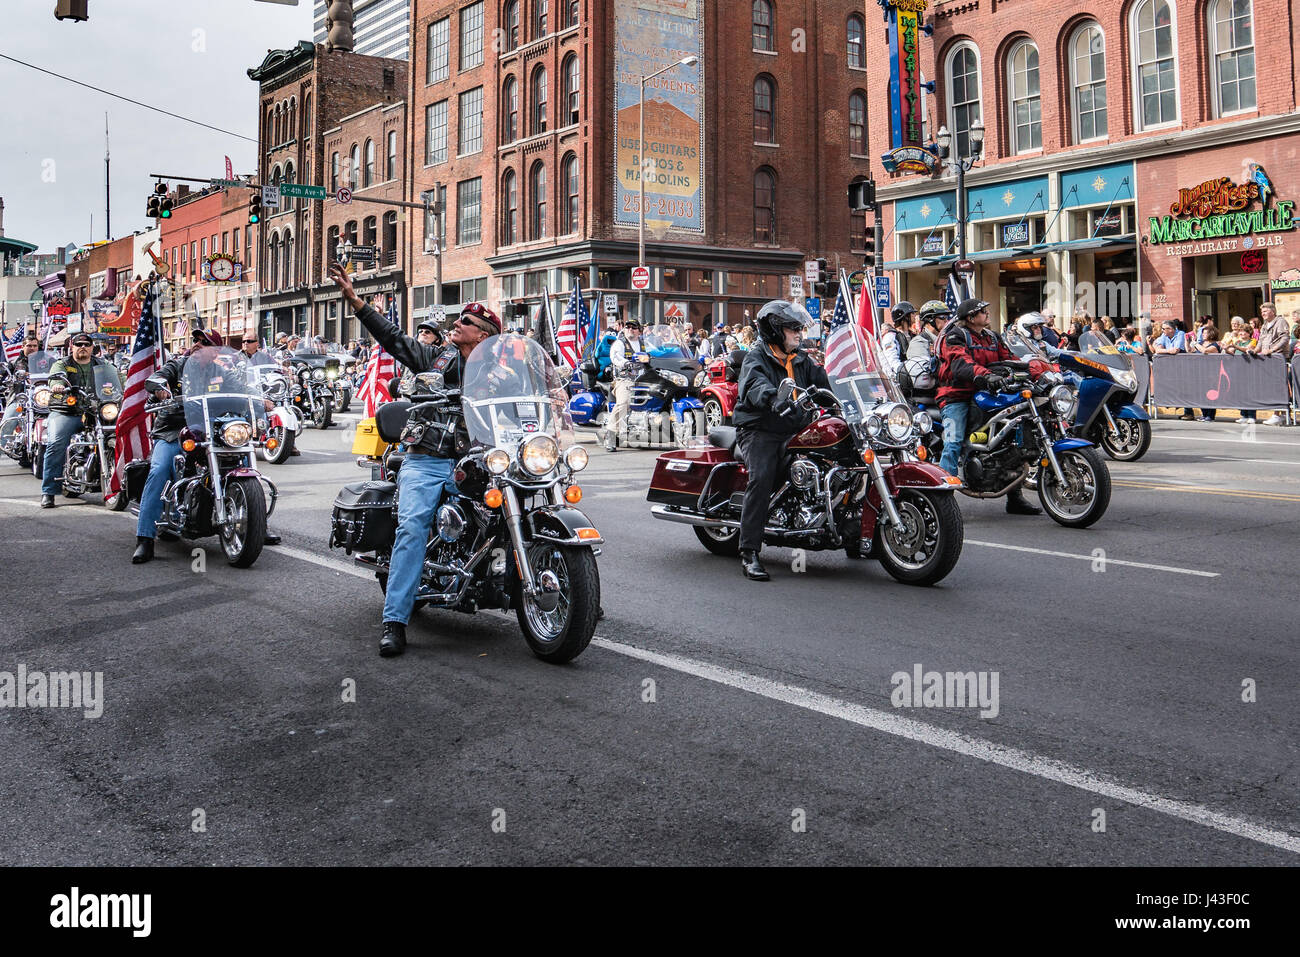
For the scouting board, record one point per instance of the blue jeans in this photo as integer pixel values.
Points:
(59, 430)
(420, 485)
(161, 462)
(955, 416)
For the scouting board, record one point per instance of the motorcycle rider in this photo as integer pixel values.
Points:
(894, 342)
(75, 371)
(966, 350)
(623, 360)
(428, 334)
(763, 428)
(427, 469)
(1032, 325)
(17, 382)
(249, 346)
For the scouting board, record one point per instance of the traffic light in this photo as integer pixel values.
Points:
(165, 208)
(822, 287)
(875, 247)
(255, 208)
(154, 206)
(862, 195)
(74, 10)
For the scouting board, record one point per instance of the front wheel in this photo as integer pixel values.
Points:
(1131, 441)
(713, 414)
(719, 541)
(244, 534)
(321, 414)
(1084, 497)
(562, 634)
(927, 545)
(285, 439)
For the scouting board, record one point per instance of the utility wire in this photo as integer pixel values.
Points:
(119, 96)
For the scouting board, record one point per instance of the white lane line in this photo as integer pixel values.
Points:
(332, 564)
(1017, 760)
(1092, 558)
(18, 501)
(1225, 458)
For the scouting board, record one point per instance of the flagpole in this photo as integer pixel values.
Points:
(847, 292)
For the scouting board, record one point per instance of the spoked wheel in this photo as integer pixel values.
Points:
(562, 633)
(1131, 441)
(925, 549)
(321, 414)
(720, 541)
(245, 534)
(284, 449)
(713, 414)
(1086, 493)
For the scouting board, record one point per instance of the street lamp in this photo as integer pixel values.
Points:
(961, 165)
(684, 61)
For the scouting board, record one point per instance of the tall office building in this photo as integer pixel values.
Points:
(380, 29)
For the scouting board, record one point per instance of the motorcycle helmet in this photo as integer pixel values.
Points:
(777, 316)
(969, 307)
(935, 311)
(901, 311)
(1025, 324)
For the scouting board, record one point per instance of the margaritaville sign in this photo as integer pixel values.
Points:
(1220, 209)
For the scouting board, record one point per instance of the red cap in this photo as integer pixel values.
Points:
(482, 312)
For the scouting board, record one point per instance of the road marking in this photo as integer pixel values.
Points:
(1233, 493)
(1093, 558)
(1205, 438)
(1017, 760)
(335, 566)
(1228, 458)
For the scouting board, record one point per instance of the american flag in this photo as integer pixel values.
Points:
(132, 429)
(380, 370)
(573, 327)
(14, 344)
(954, 292)
(842, 355)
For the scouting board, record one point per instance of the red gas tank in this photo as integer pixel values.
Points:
(827, 431)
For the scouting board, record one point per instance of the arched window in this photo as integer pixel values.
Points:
(1088, 80)
(568, 14)
(763, 25)
(1155, 63)
(370, 231)
(350, 232)
(963, 95)
(306, 117)
(541, 8)
(293, 117)
(331, 245)
(286, 202)
(1232, 50)
(273, 256)
(509, 209)
(764, 206)
(354, 172)
(857, 51)
(538, 106)
(370, 164)
(1026, 119)
(764, 110)
(270, 129)
(334, 172)
(569, 179)
(510, 24)
(390, 239)
(286, 243)
(572, 93)
(858, 123)
(537, 201)
(392, 154)
(510, 115)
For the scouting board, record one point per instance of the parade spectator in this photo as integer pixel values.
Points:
(1274, 338)
(1144, 326)
(1171, 342)
(1072, 335)
(1130, 343)
(746, 339)
(1098, 329)
(1237, 339)
(1208, 346)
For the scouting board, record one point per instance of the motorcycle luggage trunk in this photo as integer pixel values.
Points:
(680, 475)
(364, 519)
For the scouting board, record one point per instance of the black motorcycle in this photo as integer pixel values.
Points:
(507, 534)
(89, 462)
(315, 373)
(22, 432)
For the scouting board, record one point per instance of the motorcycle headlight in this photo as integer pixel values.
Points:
(497, 461)
(42, 398)
(1127, 380)
(318, 374)
(539, 454)
(676, 378)
(277, 389)
(1062, 399)
(108, 411)
(873, 425)
(899, 423)
(576, 458)
(923, 422)
(332, 373)
(236, 434)
(700, 378)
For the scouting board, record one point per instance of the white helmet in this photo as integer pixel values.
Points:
(1025, 324)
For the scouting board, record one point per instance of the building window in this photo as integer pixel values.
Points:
(1155, 63)
(568, 14)
(470, 133)
(439, 50)
(963, 95)
(763, 26)
(293, 117)
(269, 136)
(369, 231)
(392, 154)
(471, 36)
(510, 23)
(538, 106)
(857, 52)
(390, 240)
(858, 123)
(764, 110)
(370, 164)
(510, 116)
(1026, 102)
(435, 120)
(331, 245)
(273, 260)
(334, 173)
(569, 177)
(203, 245)
(286, 203)
(765, 206)
(537, 200)
(306, 117)
(540, 10)
(572, 93)
(509, 209)
(469, 212)
(1088, 65)
(1232, 48)
(286, 243)
(354, 173)
(234, 242)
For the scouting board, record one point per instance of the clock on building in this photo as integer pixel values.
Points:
(220, 267)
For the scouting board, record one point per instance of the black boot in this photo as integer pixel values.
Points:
(853, 549)
(1016, 504)
(751, 567)
(47, 501)
(272, 538)
(394, 641)
(143, 550)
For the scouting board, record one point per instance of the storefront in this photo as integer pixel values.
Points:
(334, 318)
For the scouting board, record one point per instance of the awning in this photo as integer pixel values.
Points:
(1073, 245)
(920, 262)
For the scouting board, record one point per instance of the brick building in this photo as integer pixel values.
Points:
(524, 116)
(1097, 119)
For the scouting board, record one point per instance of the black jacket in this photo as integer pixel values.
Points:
(760, 376)
(167, 424)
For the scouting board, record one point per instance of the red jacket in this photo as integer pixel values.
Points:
(964, 355)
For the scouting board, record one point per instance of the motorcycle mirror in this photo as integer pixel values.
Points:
(785, 390)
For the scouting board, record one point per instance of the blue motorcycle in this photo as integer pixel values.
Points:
(1107, 413)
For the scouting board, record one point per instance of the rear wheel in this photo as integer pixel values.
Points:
(713, 414)
(719, 541)
(1131, 441)
(1086, 493)
(561, 634)
(245, 533)
(925, 549)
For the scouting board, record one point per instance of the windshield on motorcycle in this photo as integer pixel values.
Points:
(214, 385)
(108, 383)
(513, 391)
(1103, 351)
(38, 363)
(1025, 347)
(853, 366)
(662, 342)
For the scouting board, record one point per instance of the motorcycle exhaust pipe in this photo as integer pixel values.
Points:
(686, 518)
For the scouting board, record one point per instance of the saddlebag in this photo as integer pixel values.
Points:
(365, 519)
(680, 476)
(137, 473)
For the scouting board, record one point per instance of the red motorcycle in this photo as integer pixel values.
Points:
(856, 478)
(721, 388)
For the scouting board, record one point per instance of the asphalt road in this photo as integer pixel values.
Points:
(1120, 654)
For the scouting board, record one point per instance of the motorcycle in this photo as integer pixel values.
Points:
(284, 425)
(508, 534)
(856, 478)
(1107, 412)
(721, 388)
(217, 489)
(316, 373)
(343, 388)
(22, 434)
(89, 461)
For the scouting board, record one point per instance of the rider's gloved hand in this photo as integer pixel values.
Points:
(991, 383)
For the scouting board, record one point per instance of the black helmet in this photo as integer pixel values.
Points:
(902, 310)
(776, 316)
(936, 311)
(969, 307)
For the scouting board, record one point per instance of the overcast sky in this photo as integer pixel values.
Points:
(185, 56)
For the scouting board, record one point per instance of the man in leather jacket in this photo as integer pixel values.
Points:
(74, 372)
(427, 468)
(764, 425)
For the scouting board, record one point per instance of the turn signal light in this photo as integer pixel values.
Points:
(1026, 393)
(1045, 463)
(922, 453)
(585, 533)
(493, 498)
(189, 445)
(272, 444)
(573, 495)
(953, 480)
(868, 456)
(71, 400)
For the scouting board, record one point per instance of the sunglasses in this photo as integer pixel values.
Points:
(250, 342)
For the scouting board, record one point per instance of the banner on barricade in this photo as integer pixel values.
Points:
(1220, 382)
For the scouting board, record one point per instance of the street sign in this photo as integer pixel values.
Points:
(882, 292)
(796, 287)
(810, 271)
(343, 196)
(226, 183)
(641, 277)
(814, 307)
(270, 197)
(363, 253)
(438, 312)
(302, 191)
(611, 304)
